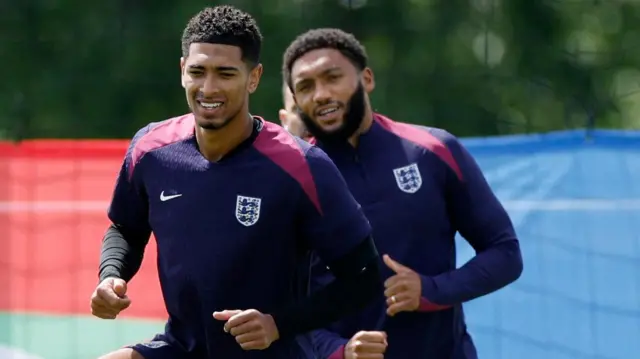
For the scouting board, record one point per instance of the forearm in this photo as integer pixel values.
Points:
(487, 272)
(122, 253)
(357, 282)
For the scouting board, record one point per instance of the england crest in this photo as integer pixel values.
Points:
(247, 210)
(408, 178)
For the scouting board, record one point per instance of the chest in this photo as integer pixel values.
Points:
(223, 210)
(404, 181)
(404, 196)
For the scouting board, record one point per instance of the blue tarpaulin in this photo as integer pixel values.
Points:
(574, 198)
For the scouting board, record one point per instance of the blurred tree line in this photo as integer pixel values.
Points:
(78, 68)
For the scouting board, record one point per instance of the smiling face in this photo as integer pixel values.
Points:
(217, 83)
(331, 93)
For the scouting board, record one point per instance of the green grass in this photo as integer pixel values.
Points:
(71, 337)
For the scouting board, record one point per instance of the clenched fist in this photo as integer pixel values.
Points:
(109, 298)
(366, 345)
(403, 290)
(252, 329)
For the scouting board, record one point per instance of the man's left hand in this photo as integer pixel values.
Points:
(252, 329)
(403, 290)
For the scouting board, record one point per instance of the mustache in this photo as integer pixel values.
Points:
(328, 103)
(201, 96)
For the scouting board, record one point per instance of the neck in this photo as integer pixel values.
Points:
(367, 121)
(215, 144)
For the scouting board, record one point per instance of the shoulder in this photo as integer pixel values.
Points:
(300, 160)
(281, 147)
(437, 142)
(160, 134)
(430, 138)
(278, 145)
(439, 137)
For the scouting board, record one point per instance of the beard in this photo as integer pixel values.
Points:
(353, 117)
(214, 125)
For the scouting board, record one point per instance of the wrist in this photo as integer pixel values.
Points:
(340, 353)
(282, 323)
(426, 284)
(428, 290)
(108, 275)
(275, 333)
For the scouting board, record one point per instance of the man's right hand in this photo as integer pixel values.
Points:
(366, 345)
(110, 298)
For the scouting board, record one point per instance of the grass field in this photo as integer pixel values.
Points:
(70, 336)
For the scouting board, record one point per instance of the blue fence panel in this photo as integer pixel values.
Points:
(574, 198)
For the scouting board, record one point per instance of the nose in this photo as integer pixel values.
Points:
(322, 94)
(209, 86)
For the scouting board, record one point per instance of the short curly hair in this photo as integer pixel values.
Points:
(224, 25)
(323, 38)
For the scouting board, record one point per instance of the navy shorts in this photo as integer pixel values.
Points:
(159, 348)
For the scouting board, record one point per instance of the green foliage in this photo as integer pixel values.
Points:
(481, 67)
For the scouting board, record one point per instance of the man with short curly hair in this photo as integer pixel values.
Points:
(235, 204)
(418, 187)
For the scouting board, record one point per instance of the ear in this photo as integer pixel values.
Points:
(182, 62)
(282, 114)
(368, 80)
(254, 78)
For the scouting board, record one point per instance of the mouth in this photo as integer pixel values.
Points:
(210, 107)
(328, 114)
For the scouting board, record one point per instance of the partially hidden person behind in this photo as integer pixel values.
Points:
(289, 116)
(418, 186)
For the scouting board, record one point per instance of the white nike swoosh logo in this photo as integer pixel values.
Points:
(166, 198)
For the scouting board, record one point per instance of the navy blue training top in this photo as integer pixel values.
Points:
(418, 187)
(230, 235)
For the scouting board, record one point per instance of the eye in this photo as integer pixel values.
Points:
(196, 73)
(303, 88)
(227, 75)
(334, 77)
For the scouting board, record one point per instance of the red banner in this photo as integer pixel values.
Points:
(53, 200)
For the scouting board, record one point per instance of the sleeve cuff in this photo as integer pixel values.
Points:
(426, 305)
(338, 354)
